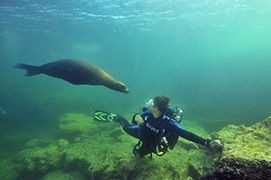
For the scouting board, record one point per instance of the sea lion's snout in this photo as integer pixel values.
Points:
(121, 87)
(126, 90)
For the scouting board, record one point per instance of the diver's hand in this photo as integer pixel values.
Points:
(139, 120)
(216, 145)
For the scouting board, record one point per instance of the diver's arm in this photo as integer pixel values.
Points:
(139, 119)
(188, 135)
(133, 119)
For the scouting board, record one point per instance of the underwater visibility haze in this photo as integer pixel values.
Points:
(212, 58)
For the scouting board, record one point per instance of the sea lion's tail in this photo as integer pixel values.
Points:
(30, 70)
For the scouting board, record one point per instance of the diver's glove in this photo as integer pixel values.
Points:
(215, 145)
(138, 119)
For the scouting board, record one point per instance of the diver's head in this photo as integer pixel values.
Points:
(158, 105)
(162, 103)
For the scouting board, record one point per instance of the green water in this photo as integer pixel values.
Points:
(210, 57)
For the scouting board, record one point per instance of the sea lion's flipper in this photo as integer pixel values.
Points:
(30, 70)
(104, 116)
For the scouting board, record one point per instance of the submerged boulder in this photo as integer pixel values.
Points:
(60, 175)
(246, 153)
(75, 125)
(107, 154)
(36, 160)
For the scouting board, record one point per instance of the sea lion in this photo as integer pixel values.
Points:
(75, 72)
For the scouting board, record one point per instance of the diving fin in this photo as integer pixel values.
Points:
(104, 116)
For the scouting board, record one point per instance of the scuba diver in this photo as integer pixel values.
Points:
(156, 131)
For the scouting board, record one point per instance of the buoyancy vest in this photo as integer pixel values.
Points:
(153, 133)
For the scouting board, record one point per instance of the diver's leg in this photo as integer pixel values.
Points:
(121, 120)
(132, 130)
(172, 140)
(144, 150)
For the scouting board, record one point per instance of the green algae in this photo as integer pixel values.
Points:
(9, 169)
(252, 142)
(246, 152)
(97, 150)
(60, 175)
(38, 161)
(73, 125)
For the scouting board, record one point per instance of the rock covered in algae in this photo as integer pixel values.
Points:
(60, 175)
(108, 155)
(72, 125)
(38, 160)
(9, 169)
(246, 153)
(37, 143)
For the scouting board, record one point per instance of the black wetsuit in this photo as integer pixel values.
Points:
(153, 130)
